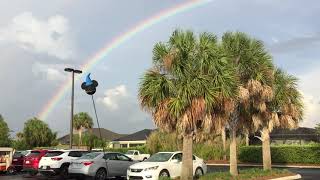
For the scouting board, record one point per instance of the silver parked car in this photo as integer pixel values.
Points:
(101, 165)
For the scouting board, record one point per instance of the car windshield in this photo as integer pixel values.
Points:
(130, 152)
(53, 153)
(91, 155)
(159, 157)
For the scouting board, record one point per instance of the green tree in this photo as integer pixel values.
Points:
(5, 133)
(254, 69)
(37, 133)
(180, 90)
(285, 110)
(82, 121)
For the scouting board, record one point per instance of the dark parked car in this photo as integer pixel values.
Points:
(17, 162)
(31, 161)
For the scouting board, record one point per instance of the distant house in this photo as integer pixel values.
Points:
(301, 135)
(132, 140)
(106, 134)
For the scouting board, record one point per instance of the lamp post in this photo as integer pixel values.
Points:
(72, 102)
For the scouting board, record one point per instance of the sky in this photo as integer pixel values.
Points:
(38, 39)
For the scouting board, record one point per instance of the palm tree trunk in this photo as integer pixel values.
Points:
(187, 164)
(266, 154)
(223, 136)
(233, 152)
(246, 135)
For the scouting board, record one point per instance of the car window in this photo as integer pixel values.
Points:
(122, 157)
(110, 156)
(34, 153)
(177, 156)
(76, 153)
(53, 153)
(17, 155)
(91, 155)
(136, 153)
(130, 152)
(193, 157)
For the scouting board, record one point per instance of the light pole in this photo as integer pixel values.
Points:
(72, 102)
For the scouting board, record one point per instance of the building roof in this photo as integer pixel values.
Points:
(105, 133)
(137, 136)
(299, 133)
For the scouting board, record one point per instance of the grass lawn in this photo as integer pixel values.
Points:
(254, 173)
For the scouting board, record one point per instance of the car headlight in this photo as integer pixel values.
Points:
(151, 168)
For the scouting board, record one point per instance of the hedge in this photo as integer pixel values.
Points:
(282, 154)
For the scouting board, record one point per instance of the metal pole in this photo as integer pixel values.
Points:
(71, 119)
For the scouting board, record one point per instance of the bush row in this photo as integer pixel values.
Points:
(282, 154)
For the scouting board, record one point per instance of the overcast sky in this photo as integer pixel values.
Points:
(39, 38)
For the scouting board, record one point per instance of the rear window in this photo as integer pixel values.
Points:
(53, 153)
(34, 153)
(76, 153)
(17, 155)
(91, 155)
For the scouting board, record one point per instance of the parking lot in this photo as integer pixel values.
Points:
(306, 173)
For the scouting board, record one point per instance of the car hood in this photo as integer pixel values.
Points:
(143, 165)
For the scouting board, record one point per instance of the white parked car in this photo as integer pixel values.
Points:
(163, 164)
(136, 155)
(56, 162)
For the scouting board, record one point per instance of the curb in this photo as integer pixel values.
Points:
(275, 165)
(298, 176)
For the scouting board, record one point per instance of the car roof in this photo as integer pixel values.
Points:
(68, 150)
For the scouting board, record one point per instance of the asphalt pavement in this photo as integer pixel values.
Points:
(306, 173)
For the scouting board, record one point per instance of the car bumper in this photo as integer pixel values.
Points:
(143, 175)
(81, 171)
(48, 170)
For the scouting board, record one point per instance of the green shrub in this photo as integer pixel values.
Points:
(282, 154)
(252, 173)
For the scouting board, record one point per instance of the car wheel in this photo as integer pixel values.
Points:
(164, 173)
(198, 173)
(101, 174)
(64, 172)
(11, 171)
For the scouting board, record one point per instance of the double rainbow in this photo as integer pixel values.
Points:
(116, 42)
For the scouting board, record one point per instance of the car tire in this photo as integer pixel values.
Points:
(164, 173)
(64, 171)
(198, 172)
(11, 171)
(101, 174)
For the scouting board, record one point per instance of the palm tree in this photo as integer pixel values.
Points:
(82, 121)
(254, 68)
(180, 90)
(285, 110)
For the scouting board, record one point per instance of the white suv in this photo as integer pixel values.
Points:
(56, 162)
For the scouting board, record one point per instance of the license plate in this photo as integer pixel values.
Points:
(44, 167)
(15, 160)
(27, 162)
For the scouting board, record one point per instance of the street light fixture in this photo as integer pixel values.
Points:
(72, 102)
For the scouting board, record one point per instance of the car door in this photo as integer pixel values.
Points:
(175, 165)
(125, 162)
(113, 164)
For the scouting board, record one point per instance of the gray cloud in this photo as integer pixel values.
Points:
(296, 44)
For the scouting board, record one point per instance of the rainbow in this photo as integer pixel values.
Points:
(116, 42)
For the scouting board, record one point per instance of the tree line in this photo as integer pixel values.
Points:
(37, 133)
(200, 85)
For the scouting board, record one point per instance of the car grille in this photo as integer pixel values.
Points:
(135, 170)
(135, 177)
